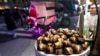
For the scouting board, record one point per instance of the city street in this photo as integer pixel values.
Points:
(23, 45)
(23, 21)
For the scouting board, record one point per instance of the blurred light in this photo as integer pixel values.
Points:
(15, 7)
(26, 2)
(5, 1)
(1, 7)
(26, 8)
(6, 7)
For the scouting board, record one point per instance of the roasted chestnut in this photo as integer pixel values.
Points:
(73, 31)
(64, 37)
(67, 43)
(50, 50)
(51, 36)
(77, 48)
(53, 31)
(50, 44)
(58, 45)
(47, 33)
(60, 34)
(85, 45)
(59, 51)
(60, 40)
(43, 35)
(68, 51)
(69, 34)
(55, 38)
(41, 47)
(60, 30)
(46, 40)
(66, 30)
(75, 35)
(40, 38)
(51, 39)
(73, 39)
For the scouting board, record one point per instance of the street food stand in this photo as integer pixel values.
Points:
(84, 31)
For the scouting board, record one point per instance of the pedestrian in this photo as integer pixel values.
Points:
(17, 18)
(59, 9)
(9, 21)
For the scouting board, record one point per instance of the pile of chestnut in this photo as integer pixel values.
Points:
(62, 41)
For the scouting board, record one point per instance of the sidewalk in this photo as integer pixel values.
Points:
(28, 33)
(18, 31)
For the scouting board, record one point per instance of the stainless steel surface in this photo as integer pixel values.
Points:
(18, 47)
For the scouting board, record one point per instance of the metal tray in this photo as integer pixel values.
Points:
(40, 53)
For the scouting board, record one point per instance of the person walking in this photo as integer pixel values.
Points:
(8, 17)
(8, 20)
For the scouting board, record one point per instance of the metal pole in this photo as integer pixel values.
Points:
(81, 22)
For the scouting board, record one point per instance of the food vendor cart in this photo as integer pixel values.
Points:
(89, 31)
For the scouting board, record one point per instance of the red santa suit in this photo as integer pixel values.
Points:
(31, 19)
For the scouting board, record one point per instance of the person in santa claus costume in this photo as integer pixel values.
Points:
(32, 21)
(32, 17)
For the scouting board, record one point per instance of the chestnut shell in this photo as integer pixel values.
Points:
(68, 51)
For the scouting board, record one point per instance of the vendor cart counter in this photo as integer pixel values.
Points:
(18, 47)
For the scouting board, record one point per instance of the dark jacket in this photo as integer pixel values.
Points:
(9, 20)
